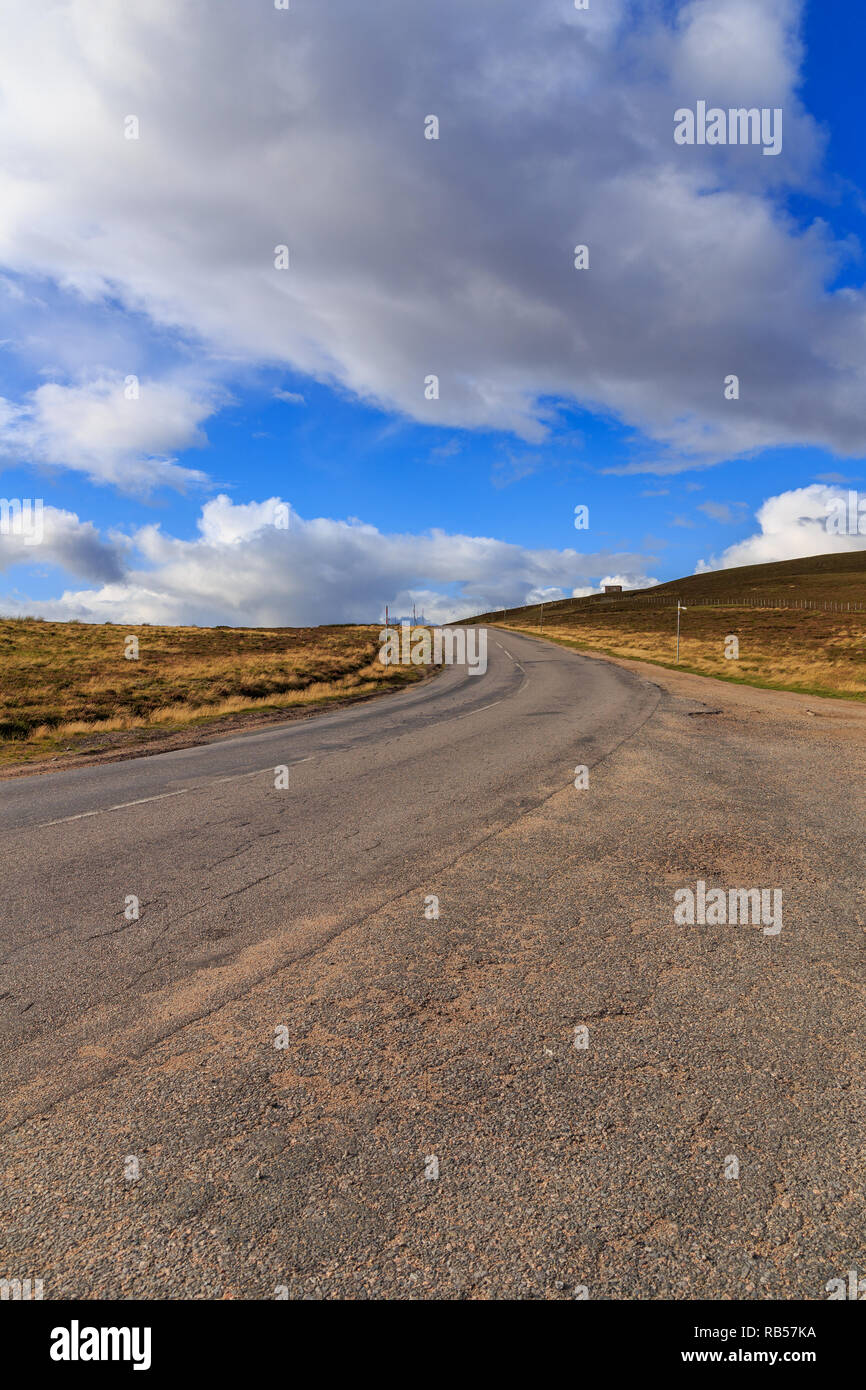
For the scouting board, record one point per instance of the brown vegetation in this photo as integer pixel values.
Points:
(68, 687)
(813, 651)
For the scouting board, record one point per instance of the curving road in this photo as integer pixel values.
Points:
(246, 1087)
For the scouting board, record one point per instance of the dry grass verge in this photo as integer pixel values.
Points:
(809, 651)
(68, 690)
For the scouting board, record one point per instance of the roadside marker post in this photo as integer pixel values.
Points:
(680, 608)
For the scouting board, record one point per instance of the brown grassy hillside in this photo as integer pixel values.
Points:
(67, 687)
(808, 635)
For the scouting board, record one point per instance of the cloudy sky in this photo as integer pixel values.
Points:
(232, 262)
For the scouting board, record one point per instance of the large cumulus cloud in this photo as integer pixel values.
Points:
(260, 564)
(304, 127)
(816, 520)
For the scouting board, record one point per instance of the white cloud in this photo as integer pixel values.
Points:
(39, 535)
(454, 257)
(243, 569)
(629, 581)
(793, 525)
(103, 430)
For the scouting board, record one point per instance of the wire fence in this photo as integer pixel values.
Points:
(560, 608)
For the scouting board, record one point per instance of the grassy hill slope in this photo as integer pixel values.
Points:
(838, 578)
(809, 635)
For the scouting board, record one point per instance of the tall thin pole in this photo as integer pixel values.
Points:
(541, 623)
(679, 607)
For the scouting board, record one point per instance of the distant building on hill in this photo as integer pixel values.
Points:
(613, 588)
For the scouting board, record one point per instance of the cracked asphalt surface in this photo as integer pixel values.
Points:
(284, 1040)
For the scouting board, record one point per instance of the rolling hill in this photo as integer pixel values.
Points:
(813, 579)
(799, 624)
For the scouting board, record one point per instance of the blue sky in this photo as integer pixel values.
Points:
(153, 257)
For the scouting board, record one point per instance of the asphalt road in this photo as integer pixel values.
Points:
(288, 1074)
